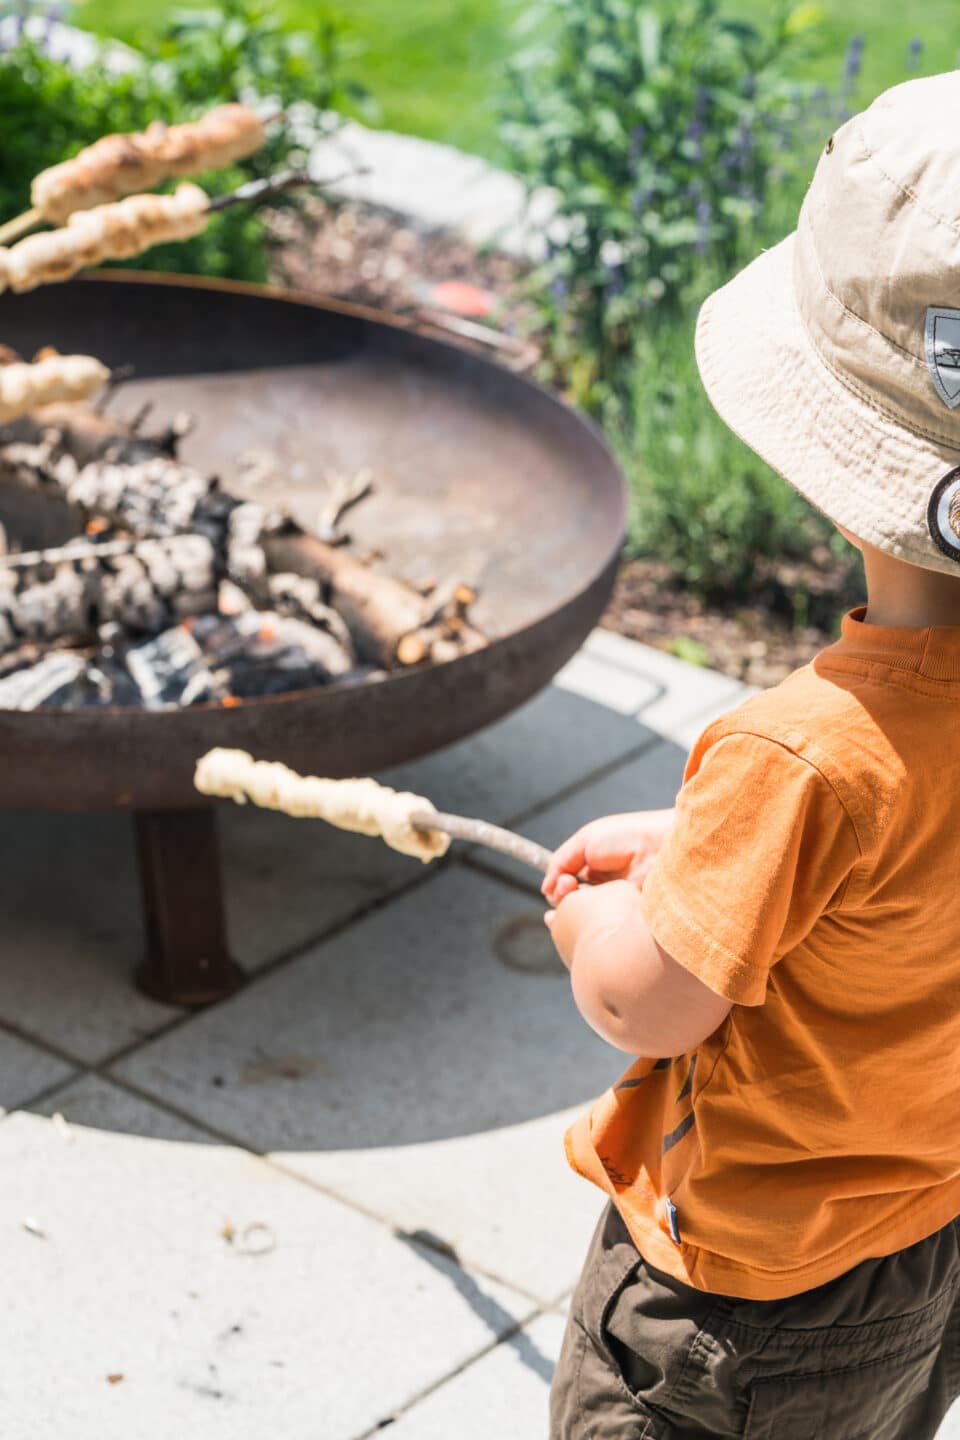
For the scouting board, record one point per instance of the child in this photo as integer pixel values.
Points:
(780, 1259)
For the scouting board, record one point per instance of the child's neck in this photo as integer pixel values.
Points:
(902, 594)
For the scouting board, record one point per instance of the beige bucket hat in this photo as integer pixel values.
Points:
(836, 355)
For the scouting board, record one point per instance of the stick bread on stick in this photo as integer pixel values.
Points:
(108, 232)
(58, 377)
(124, 164)
(359, 805)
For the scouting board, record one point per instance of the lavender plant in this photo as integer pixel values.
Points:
(658, 129)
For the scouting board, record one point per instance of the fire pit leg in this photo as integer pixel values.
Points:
(187, 961)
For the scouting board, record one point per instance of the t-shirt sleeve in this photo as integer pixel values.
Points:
(761, 848)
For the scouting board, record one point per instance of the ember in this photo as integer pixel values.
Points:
(171, 594)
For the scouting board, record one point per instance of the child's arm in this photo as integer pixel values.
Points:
(626, 986)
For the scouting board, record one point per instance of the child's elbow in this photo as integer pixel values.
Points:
(665, 1012)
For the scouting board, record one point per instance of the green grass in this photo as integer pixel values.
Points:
(435, 67)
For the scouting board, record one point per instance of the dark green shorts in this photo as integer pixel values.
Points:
(872, 1355)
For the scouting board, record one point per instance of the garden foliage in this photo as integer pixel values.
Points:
(660, 129)
(238, 51)
(677, 145)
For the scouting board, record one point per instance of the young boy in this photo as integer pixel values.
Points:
(780, 1258)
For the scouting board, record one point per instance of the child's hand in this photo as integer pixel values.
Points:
(617, 847)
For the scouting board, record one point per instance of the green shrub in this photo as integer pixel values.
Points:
(660, 128)
(202, 58)
(701, 500)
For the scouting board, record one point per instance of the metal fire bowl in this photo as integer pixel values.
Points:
(480, 476)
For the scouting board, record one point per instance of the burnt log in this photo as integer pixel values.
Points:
(68, 593)
(157, 495)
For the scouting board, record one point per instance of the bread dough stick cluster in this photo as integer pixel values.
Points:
(108, 232)
(119, 165)
(56, 378)
(362, 806)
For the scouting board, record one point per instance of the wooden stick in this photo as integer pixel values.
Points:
(19, 225)
(379, 610)
(481, 832)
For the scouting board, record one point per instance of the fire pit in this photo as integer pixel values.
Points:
(479, 476)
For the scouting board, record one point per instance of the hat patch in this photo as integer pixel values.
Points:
(943, 514)
(942, 336)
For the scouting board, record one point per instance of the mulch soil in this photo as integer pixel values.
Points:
(354, 253)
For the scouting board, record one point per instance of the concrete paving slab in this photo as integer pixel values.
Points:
(69, 950)
(26, 1070)
(689, 731)
(648, 783)
(549, 744)
(617, 687)
(290, 881)
(505, 1201)
(407, 1029)
(68, 890)
(134, 1313)
(503, 1395)
(684, 691)
(436, 186)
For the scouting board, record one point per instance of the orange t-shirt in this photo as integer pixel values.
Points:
(813, 878)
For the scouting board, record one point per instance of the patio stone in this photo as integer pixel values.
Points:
(505, 1200)
(356, 1060)
(502, 1395)
(615, 686)
(68, 888)
(26, 1070)
(549, 744)
(67, 968)
(134, 1313)
(648, 783)
(684, 691)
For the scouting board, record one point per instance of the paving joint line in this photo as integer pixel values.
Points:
(510, 1334)
(438, 1245)
(19, 1032)
(270, 967)
(226, 1137)
(522, 817)
(26, 1106)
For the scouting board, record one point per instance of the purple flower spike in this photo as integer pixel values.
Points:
(914, 52)
(704, 217)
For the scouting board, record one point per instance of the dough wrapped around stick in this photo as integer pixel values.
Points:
(408, 823)
(362, 806)
(119, 165)
(109, 232)
(56, 378)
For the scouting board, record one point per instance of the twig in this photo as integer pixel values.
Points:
(254, 190)
(19, 225)
(481, 832)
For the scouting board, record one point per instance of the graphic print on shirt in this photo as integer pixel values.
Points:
(684, 1126)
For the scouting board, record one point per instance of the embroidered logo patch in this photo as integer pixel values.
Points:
(943, 353)
(943, 514)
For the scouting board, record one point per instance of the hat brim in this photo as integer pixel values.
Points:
(768, 383)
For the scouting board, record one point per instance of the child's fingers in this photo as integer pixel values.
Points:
(568, 859)
(566, 884)
(549, 918)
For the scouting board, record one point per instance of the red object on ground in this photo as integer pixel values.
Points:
(462, 298)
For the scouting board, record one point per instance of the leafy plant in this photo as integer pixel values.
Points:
(660, 130)
(238, 51)
(701, 500)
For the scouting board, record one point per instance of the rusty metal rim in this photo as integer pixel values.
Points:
(390, 321)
